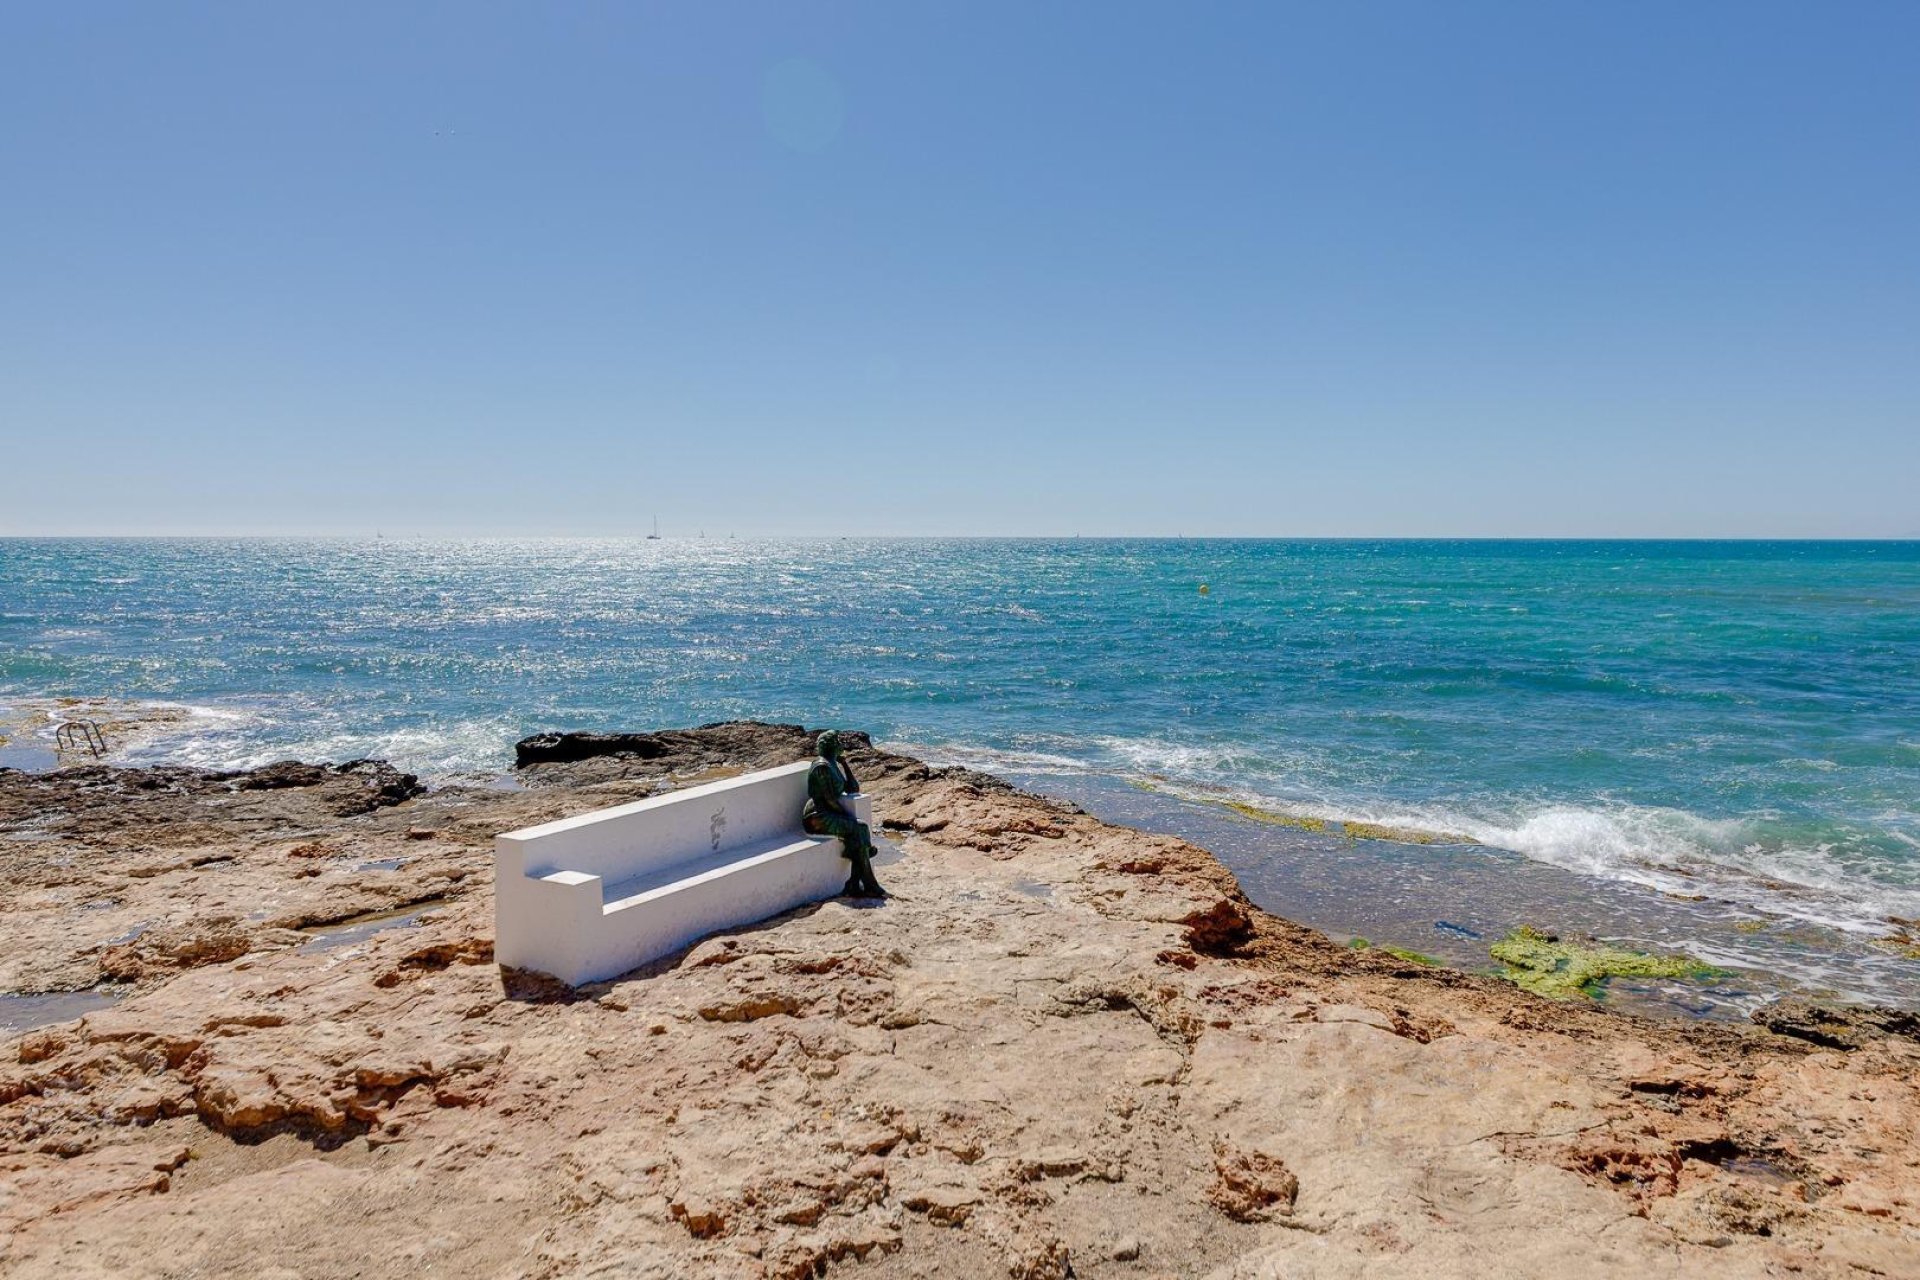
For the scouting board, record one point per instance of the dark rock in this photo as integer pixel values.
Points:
(1221, 930)
(375, 783)
(381, 785)
(105, 801)
(740, 743)
(1834, 1027)
(565, 748)
(281, 773)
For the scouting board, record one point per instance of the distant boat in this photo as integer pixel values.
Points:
(655, 535)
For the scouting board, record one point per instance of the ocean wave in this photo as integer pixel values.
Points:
(1159, 756)
(1150, 758)
(1668, 851)
(197, 735)
(990, 759)
(434, 751)
(1738, 861)
(1751, 863)
(247, 735)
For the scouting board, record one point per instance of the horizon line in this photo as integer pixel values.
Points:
(944, 537)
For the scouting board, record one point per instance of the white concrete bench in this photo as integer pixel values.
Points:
(591, 897)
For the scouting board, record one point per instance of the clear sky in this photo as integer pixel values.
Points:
(1105, 268)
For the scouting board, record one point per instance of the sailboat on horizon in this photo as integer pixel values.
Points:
(655, 535)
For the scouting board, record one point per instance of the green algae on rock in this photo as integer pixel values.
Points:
(1319, 826)
(1407, 954)
(1351, 828)
(1546, 966)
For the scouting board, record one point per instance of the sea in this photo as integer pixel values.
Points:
(1701, 746)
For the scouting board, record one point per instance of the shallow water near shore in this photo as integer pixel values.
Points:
(1642, 736)
(1452, 902)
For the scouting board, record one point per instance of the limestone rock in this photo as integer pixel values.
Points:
(1250, 1185)
(317, 1070)
(1836, 1027)
(1220, 929)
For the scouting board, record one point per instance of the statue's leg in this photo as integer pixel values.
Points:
(855, 845)
(863, 862)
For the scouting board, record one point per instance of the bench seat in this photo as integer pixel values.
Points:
(654, 885)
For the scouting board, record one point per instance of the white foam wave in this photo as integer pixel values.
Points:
(251, 735)
(209, 737)
(1171, 759)
(992, 760)
(1611, 842)
(1666, 850)
(1669, 851)
(460, 746)
(1150, 758)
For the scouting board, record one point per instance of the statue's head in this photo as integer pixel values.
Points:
(828, 745)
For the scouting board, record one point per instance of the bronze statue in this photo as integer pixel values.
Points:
(826, 814)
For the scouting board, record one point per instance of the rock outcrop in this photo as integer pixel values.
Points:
(1063, 1048)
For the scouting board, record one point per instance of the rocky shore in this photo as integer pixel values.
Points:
(1063, 1048)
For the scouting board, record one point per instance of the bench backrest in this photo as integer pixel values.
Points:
(648, 835)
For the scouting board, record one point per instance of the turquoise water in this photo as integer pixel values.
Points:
(1664, 716)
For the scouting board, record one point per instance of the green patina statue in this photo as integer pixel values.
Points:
(827, 814)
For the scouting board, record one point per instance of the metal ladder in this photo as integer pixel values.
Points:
(75, 735)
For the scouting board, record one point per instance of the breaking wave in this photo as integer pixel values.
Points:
(1769, 866)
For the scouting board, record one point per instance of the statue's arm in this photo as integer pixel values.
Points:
(853, 783)
(823, 785)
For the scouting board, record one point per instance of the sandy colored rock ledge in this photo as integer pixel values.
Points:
(1063, 1048)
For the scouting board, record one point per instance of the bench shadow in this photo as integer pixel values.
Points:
(526, 986)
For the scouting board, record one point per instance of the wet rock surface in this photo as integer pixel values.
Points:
(1837, 1027)
(568, 748)
(1136, 1073)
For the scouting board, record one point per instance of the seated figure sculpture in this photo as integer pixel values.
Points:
(826, 814)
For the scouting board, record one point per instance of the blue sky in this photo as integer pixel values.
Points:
(1317, 269)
